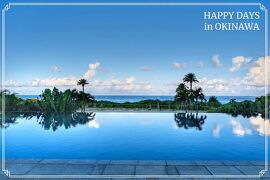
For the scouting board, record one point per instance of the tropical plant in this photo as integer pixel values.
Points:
(83, 99)
(198, 95)
(213, 102)
(68, 101)
(181, 94)
(11, 100)
(190, 78)
(82, 82)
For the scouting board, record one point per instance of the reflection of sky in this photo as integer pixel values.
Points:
(239, 129)
(93, 124)
(260, 125)
(251, 125)
(216, 130)
(140, 136)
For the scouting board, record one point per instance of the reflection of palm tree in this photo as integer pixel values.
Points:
(51, 120)
(12, 117)
(189, 120)
(190, 78)
(55, 121)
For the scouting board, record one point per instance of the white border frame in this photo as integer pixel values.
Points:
(8, 6)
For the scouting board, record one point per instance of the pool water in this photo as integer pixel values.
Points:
(145, 136)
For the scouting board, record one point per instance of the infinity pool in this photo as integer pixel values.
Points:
(136, 136)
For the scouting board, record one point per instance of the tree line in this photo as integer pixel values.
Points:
(187, 98)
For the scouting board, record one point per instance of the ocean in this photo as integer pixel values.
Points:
(122, 99)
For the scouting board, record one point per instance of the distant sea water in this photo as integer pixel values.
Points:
(122, 99)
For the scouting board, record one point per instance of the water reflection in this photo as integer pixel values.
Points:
(51, 121)
(94, 124)
(238, 129)
(261, 125)
(189, 120)
(216, 130)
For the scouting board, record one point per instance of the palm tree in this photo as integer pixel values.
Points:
(181, 94)
(198, 94)
(190, 78)
(82, 82)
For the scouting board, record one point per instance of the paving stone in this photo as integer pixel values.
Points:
(250, 170)
(3, 177)
(257, 163)
(209, 163)
(236, 163)
(48, 169)
(150, 170)
(19, 168)
(174, 179)
(192, 170)
(25, 161)
(92, 179)
(95, 179)
(128, 162)
(54, 161)
(267, 173)
(98, 169)
(78, 169)
(173, 162)
(105, 162)
(129, 178)
(80, 161)
(254, 178)
(223, 170)
(171, 170)
(119, 170)
(212, 178)
(152, 162)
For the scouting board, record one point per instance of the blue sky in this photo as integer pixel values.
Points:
(130, 50)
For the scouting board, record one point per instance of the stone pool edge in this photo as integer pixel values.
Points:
(136, 168)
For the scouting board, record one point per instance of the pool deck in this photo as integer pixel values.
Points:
(133, 169)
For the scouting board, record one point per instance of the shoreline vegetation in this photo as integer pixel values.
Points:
(187, 99)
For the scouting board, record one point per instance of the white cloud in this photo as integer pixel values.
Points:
(91, 72)
(216, 61)
(213, 85)
(259, 125)
(177, 65)
(238, 129)
(256, 74)
(145, 68)
(55, 68)
(216, 130)
(64, 81)
(127, 85)
(238, 62)
(11, 83)
(53, 81)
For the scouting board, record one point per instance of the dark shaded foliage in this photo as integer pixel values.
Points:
(189, 120)
(50, 120)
